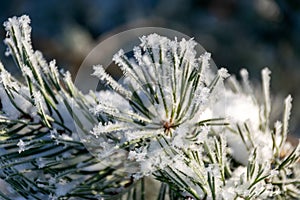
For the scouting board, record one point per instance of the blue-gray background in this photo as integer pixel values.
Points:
(239, 33)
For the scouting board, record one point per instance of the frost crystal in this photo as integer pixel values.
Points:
(21, 145)
(223, 73)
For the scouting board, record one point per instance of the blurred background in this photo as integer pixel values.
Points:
(239, 33)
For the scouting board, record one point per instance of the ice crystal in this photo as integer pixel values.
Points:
(21, 145)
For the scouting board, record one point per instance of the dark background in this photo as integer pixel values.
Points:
(239, 33)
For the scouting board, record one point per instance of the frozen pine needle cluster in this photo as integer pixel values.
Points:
(200, 133)
(163, 98)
